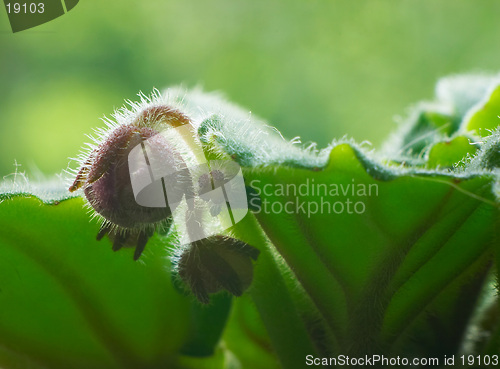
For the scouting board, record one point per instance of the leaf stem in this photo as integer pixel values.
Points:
(270, 294)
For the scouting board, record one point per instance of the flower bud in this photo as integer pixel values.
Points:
(106, 179)
(216, 263)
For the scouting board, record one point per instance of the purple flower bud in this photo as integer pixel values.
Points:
(106, 181)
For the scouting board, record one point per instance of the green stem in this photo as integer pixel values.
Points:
(270, 294)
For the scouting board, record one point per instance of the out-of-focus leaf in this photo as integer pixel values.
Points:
(449, 153)
(247, 338)
(68, 301)
(485, 117)
(207, 325)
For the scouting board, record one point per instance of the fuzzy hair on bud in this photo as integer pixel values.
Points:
(105, 178)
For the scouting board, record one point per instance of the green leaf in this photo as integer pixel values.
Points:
(68, 301)
(373, 268)
(448, 154)
(485, 117)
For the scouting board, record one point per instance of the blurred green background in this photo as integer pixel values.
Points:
(316, 69)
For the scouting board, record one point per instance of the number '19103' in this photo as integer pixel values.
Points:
(480, 360)
(25, 8)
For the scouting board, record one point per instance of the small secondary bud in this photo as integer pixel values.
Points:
(216, 263)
